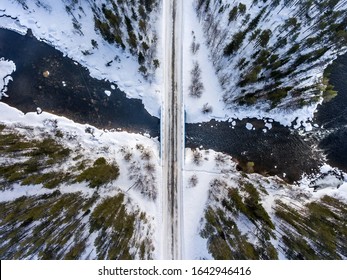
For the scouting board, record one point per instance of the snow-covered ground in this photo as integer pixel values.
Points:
(99, 143)
(208, 165)
(7, 67)
(109, 144)
(212, 90)
(102, 142)
(212, 96)
(51, 23)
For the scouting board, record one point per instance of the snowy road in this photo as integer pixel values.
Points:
(172, 135)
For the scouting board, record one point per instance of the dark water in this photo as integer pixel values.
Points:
(283, 150)
(333, 116)
(82, 99)
(276, 152)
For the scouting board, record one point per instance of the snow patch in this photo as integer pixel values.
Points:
(7, 67)
(249, 126)
(268, 125)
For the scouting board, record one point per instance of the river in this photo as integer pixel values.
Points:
(333, 117)
(71, 92)
(284, 151)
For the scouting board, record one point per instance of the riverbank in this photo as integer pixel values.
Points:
(48, 80)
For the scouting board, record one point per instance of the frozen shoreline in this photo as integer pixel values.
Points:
(7, 67)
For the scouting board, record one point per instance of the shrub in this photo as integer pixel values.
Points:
(99, 174)
(233, 14)
(193, 181)
(196, 87)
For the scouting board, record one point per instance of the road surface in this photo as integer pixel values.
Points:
(172, 135)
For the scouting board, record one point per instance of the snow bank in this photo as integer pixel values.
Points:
(7, 67)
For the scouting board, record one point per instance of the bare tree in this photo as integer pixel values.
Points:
(206, 109)
(196, 88)
(126, 152)
(194, 47)
(146, 154)
(197, 157)
(220, 159)
(193, 181)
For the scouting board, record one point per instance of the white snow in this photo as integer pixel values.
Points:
(12, 24)
(195, 201)
(107, 92)
(19, 191)
(123, 71)
(329, 179)
(268, 125)
(63, 37)
(38, 110)
(249, 126)
(7, 67)
(212, 90)
(308, 127)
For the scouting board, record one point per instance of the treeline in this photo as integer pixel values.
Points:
(56, 224)
(237, 225)
(275, 48)
(128, 25)
(235, 207)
